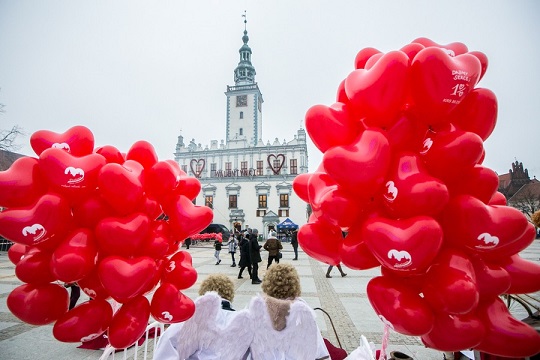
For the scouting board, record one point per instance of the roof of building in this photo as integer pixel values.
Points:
(530, 191)
(7, 158)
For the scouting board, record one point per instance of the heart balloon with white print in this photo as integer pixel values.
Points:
(169, 305)
(78, 141)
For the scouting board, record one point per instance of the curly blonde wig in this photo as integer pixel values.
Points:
(536, 218)
(281, 281)
(219, 283)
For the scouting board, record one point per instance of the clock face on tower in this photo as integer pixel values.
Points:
(241, 100)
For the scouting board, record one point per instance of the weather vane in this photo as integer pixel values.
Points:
(244, 15)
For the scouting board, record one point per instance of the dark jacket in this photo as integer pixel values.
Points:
(254, 249)
(217, 245)
(244, 253)
(294, 238)
(273, 246)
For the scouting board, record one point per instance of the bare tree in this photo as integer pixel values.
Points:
(8, 137)
(527, 200)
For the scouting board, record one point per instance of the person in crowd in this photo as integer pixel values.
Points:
(245, 260)
(339, 268)
(273, 246)
(294, 243)
(217, 247)
(232, 245)
(215, 331)
(281, 315)
(74, 294)
(187, 242)
(255, 256)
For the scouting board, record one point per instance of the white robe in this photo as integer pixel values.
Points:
(210, 334)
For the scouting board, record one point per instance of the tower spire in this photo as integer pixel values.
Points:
(244, 73)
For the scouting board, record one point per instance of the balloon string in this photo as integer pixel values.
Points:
(384, 344)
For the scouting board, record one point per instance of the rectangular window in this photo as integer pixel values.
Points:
(259, 168)
(209, 201)
(213, 169)
(284, 200)
(261, 213)
(241, 100)
(243, 165)
(262, 202)
(276, 164)
(184, 168)
(233, 204)
(283, 213)
(294, 167)
(228, 169)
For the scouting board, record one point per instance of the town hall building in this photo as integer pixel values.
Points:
(246, 180)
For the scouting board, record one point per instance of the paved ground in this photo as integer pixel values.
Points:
(344, 298)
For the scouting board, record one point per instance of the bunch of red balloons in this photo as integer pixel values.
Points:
(96, 217)
(402, 178)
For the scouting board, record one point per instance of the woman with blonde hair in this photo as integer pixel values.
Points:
(286, 327)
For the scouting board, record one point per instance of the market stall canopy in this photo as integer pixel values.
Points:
(287, 224)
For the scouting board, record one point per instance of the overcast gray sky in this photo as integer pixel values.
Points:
(148, 70)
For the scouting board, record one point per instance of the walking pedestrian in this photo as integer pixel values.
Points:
(232, 245)
(255, 256)
(339, 268)
(217, 246)
(187, 242)
(273, 246)
(294, 243)
(245, 260)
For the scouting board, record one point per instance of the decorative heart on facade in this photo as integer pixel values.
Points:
(272, 158)
(197, 166)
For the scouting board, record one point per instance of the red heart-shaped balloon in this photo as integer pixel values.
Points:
(404, 245)
(38, 304)
(399, 306)
(466, 331)
(339, 207)
(92, 286)
(412, 49)
(411, 190)
(122, 186)
(355, 254)
(373, 60)
(22, 184)
(186, 219)
(497, 199)
(483, 61)
(129, 323)
(439, 82)
(74, 177)
(524, 274)
(321, 241)
(83, 323)
(144, 153)
(363, 56)
(450, 274)
(188, 186)
(157, 244)
(111, 154)
(505, 251)
(505, 335)
(122, 236)
(78, 141)
(300, 186)
(448, 154)
(480, 182)
(33, 268)
(406, 134)
(330, 126)
(170, 306)
(47, 221)
(179, 271)
(470, 224)
(75, 257)
(477, 113)
(319, 184)
(452, 49)
(362, 166)
(88, 212)
(491, 279)
(125, 279)
(161, 179)
(379, 93)
(16, 252)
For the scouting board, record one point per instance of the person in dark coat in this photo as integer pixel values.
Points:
(255, 256)
(294, 243)
(245, 261)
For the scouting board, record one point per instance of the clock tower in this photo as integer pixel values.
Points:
(244, 102)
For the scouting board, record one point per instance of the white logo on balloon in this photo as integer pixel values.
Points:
(166, 315)
(77, 174)
(489, 241)
(172, 266)
(428, 143)
(36, 230)
(391, 191)
(62, 146)
(399, 256)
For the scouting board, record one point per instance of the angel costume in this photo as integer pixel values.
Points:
(208, 334)
(285, 330)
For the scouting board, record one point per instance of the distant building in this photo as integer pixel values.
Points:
(247, 181)
(520, 190)
(7, 158)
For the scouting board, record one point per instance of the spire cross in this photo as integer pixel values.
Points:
(244, 15)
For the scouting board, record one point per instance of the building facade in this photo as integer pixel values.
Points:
(246, 181)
